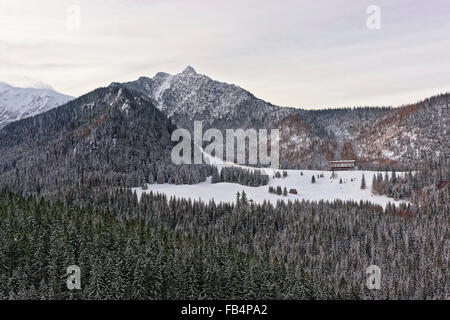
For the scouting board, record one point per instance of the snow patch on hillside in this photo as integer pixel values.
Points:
(159, 91)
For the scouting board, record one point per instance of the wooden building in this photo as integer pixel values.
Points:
(337, 165)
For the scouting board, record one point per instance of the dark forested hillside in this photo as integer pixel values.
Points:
(159, 248)
(110, 136)
(128, 259)
(331, 243)
(378, 138)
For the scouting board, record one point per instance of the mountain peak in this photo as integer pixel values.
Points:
(189, 70)
(19, 103)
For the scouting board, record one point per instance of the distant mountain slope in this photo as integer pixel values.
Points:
(413, 132)
(379, 138)
(19, 103)
(190, 96)
(376, 137)
(109, 137)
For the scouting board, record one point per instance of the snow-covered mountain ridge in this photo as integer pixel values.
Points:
(19, 103)
(377, 137)
(190, 96)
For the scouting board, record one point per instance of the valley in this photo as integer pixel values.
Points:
(101, 165)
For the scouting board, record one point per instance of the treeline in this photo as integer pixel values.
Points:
(128, 259)
(330, 242)
(394, 186)
(425, 183)
(246, 177)
(179, 174)
(325, 246)
(431, 184)
(278, 190)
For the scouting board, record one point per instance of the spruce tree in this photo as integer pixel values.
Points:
(279, 191)
(363, 182)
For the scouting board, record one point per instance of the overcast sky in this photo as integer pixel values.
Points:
(300, 53)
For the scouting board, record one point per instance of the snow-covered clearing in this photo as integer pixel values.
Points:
(323, 189)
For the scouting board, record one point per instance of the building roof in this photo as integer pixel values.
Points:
(342, 161)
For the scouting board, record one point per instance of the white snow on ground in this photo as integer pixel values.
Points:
(324, 189)
(219, 163)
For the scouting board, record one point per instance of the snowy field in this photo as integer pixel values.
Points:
(323, 189)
